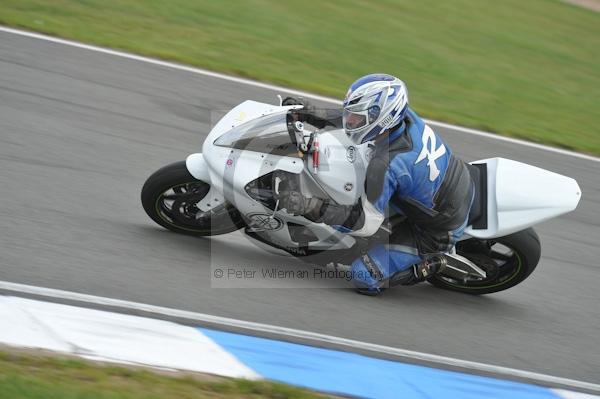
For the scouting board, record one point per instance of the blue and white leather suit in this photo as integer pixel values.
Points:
(413, 173)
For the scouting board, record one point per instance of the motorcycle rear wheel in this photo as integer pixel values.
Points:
(170, 197)
(507, 260)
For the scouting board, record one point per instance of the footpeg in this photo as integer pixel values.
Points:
(430, 266)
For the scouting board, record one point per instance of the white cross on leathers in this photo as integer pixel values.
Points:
(430, 152)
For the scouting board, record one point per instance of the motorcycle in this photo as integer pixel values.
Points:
(257, 150)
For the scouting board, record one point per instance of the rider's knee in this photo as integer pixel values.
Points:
(370, 271)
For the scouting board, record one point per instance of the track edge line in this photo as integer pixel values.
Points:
(268, 86)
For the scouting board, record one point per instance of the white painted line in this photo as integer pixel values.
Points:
(267, 86)
(573, 395)
(301, 334)
(114, 337)
(513, 140)
(166, 64)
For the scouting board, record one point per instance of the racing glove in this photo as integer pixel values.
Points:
(317, 117)
(294, 101)
(321, 210)
(298, 205)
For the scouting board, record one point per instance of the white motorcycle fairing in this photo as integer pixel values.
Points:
(521, 195)
(518, 195)
(229, 170)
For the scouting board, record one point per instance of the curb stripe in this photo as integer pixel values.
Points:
(114, 337)
(130, 339)
(290, 333)
(356, 375)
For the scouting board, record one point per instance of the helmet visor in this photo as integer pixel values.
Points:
(354, 120)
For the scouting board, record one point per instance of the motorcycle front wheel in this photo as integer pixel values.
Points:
(170, 197)
(507, 261)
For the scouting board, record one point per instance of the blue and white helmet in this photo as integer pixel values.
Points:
(373, 104)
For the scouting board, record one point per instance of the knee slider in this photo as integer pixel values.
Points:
(366, 272)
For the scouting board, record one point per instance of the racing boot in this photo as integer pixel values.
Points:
(419, 272)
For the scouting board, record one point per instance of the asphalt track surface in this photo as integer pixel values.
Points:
(80, 132)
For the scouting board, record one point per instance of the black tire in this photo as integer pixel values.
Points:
(515, 266)
(178, 211)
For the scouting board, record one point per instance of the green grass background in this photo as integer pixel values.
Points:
(524, 68)
(32, 375)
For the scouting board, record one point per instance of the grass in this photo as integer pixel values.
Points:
(31, 375)
(528, 69)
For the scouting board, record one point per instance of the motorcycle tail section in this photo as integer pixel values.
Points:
(520, 195)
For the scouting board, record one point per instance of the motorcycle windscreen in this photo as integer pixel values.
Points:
(268, 134)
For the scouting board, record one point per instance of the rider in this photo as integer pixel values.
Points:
(411, 173)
